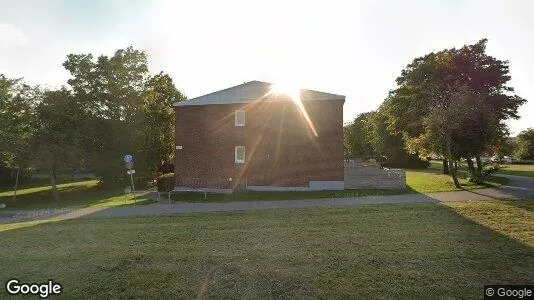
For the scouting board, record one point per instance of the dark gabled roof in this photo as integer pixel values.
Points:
(253, 91)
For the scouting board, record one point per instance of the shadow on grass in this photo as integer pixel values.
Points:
(513, 218)
(46, 190)
(525, 204)
(81, 194)
(138, 200)
(44, 183)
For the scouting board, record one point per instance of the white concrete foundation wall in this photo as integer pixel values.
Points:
(267, 188)
(207, 190)
(314, 186)
(327, 185)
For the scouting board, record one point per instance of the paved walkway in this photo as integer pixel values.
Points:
(518, 187)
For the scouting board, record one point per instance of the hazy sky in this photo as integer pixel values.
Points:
(355, 48)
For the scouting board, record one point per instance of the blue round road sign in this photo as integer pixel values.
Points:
(128, 158)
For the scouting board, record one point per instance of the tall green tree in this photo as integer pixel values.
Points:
(525, 144)
(356, 140)
(391, 145)
(453, 103)
(17, 126)
(368, 136)
(504, 147)
(56, 142)
(111, 91)
(127, 111)
(159, 122)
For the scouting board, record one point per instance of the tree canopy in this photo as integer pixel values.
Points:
(110, 107)
(126, 110)
(453, 103)
(525, 144)
(368, 137)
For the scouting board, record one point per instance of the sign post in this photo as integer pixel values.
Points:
(129, 165)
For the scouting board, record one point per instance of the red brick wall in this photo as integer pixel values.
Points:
(281, 150)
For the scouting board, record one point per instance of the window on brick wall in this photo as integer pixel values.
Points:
(240, 154)
(239, 118)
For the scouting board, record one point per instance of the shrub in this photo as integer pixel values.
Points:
(165, 182)
(489, 170)
(406, 161)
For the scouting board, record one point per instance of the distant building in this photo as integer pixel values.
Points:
(247, 137)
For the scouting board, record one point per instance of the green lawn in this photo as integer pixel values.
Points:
(431, 180)
(376, 251)
(513, 218)
(521, 170)
(80, 194)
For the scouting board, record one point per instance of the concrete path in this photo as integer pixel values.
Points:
(182, 208)
(518, 187)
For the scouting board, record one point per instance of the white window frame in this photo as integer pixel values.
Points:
(237, 159)
(240, 122)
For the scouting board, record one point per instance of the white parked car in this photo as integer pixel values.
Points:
(509, 159)
(485, 159)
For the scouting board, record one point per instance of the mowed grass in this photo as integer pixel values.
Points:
(514, 218)
(431, 180)
(73, 194)
(520, 170)
(380, 251)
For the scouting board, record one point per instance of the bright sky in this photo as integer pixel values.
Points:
(355, 48)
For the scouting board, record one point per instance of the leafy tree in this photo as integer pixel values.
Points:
(110, 91)
(525, 144)
(504, 147)
(110, 87)
(17, 127)
(126, 111)
(385, 143)
(56, 141)
(453, 103)
(159, 122)
(368, 136)
(356, 136)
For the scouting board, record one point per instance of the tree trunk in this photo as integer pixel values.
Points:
(16, 185)
(445, 166)
(471, 167)
(479, 164)
(456, 166)
(53, 182)
(453, 174)
(451, 165)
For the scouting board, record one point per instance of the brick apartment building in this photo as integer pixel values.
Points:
(247, 137)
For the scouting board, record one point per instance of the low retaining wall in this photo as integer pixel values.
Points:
(361, 175)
